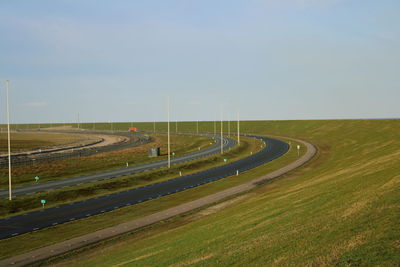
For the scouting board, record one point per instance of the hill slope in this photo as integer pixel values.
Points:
(342, 209)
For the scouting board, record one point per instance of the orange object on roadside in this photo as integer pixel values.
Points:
(132, 129)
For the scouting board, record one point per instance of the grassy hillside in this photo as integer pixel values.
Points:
(342, 209)
(21, 141)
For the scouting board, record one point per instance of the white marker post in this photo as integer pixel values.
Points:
(298, 150)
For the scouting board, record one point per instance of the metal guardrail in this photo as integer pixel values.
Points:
(135, 139)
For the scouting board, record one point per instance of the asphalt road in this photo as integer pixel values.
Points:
(67, 182)
(48, 217)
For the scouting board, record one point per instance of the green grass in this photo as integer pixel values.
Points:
(53, 170)
(51, 235)
(342, 209)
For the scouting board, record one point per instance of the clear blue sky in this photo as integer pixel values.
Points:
(270, 59)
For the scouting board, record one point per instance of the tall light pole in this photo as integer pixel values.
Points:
(197, 127)
(9, 144)
(78, 121)
(229, 128)
(154, 126)
(176, 126)
(222, 143)
(238, 129)
(169, 147)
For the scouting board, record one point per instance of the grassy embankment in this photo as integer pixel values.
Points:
(53, 170)
(342, 209)
(22, 141)
(26, 242)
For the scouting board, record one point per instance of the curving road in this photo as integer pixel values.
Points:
(68, 182)
(45, 218)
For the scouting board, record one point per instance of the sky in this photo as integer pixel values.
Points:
(267, 59)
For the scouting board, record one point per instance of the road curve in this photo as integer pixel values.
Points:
(32, 221)
(68, 182)
(103, 234)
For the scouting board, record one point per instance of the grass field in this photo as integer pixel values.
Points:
(342, 209)
(23, 141)
(53, 170)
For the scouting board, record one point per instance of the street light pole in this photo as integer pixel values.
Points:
(222, 143)
(9, 144)
(238, 129)
(197, 127)
(169, 148)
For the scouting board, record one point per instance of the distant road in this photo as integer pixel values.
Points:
(28, 158)
(67, 182)
(48, 217)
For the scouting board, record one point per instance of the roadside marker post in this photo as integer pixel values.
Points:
(298, 150)
(237, 172)
(127, 164)
(180, 173)
(43, 201)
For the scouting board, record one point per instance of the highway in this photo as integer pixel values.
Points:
(71, 181)
(65, 213)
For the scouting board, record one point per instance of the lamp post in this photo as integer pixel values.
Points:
(169, 148)
(238, 129)
(9, 144)
(222, 143)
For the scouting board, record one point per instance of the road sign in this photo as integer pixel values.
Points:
(298, 146)
(37, 178)
(173, 153)
(43, 201)
(225, 160)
